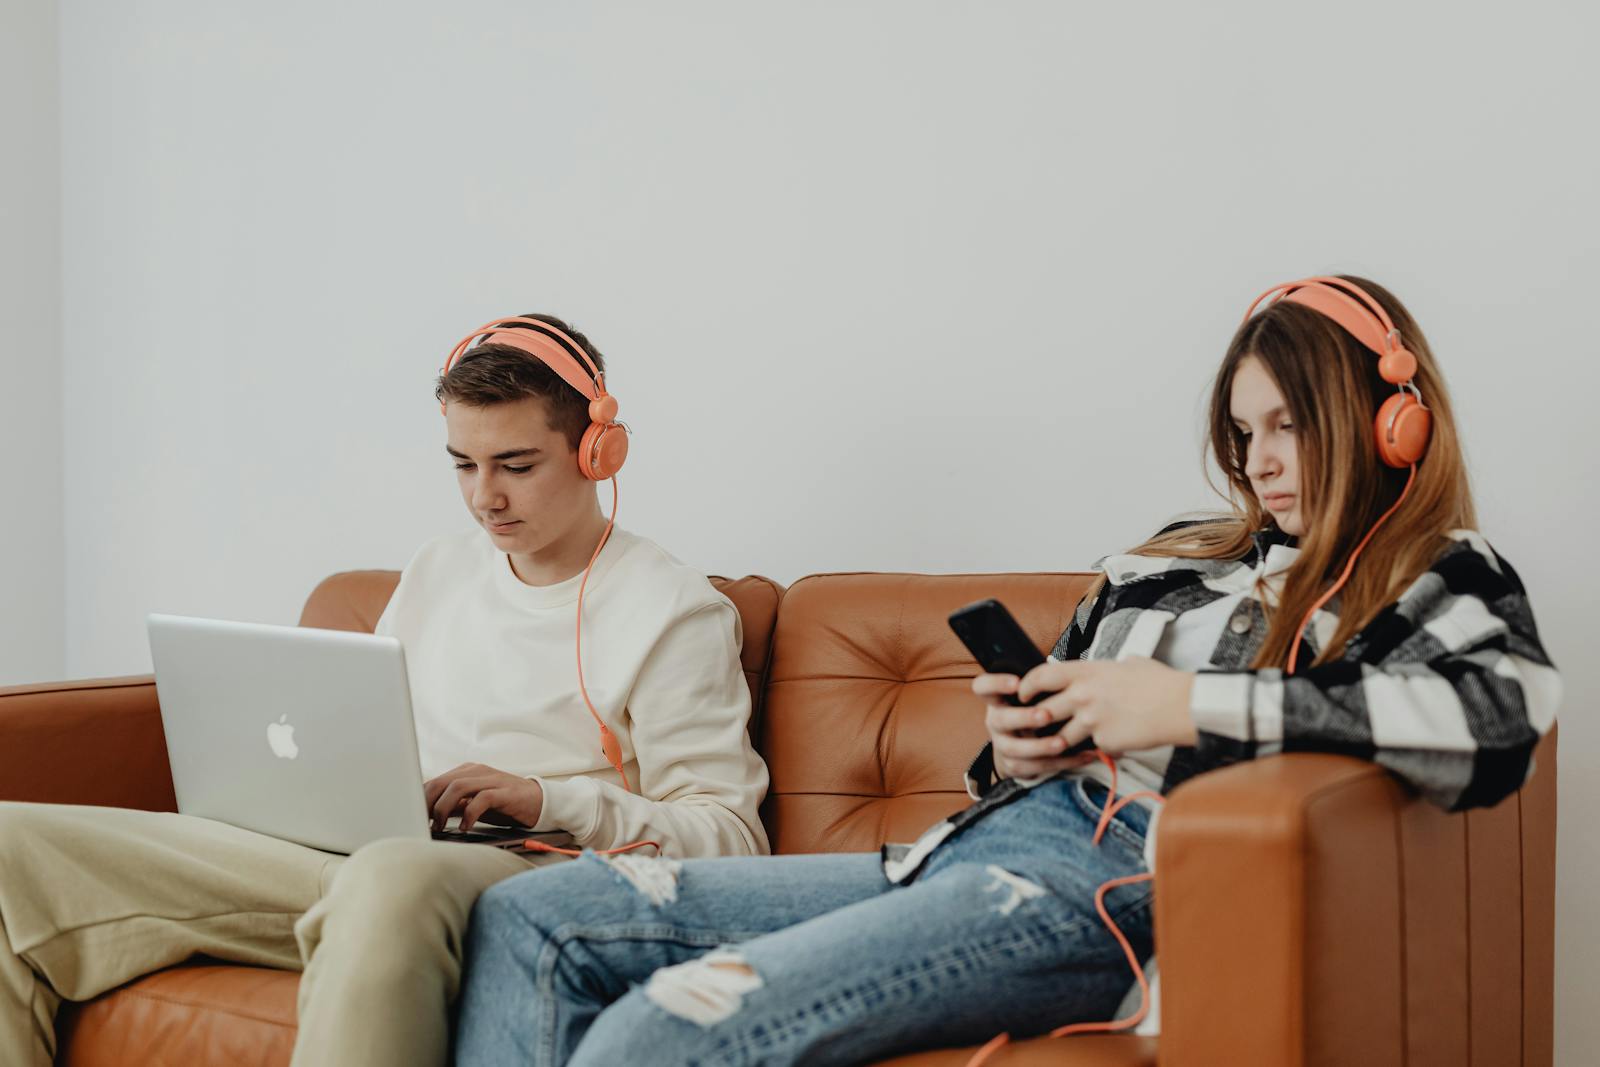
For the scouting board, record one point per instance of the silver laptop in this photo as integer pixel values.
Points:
(298, 733)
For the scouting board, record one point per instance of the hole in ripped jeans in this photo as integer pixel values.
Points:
(656, 879)
(1015, 889)
(704, 991)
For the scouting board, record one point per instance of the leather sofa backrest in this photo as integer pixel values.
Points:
(869, 718)
(349, 600)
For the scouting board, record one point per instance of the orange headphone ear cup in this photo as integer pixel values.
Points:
(1403, 427)
(602, 451)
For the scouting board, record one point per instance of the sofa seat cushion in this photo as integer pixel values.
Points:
(197, 1013)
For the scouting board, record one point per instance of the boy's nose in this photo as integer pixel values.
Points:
(485, 497)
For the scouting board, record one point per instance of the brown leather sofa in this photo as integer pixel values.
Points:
(1309, 910)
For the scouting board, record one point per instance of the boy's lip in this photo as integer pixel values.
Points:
(502, 527)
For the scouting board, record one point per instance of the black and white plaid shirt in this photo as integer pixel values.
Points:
(1448, 687)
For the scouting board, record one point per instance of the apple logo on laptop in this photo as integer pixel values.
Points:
(280, 735)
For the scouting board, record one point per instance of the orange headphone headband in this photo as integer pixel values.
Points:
(605, 443)
(543, 342)
(1403, 424)
(1362, 317)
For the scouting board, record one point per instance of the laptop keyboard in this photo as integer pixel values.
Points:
(480, 834)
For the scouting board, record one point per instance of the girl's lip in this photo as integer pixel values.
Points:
(1276, 500)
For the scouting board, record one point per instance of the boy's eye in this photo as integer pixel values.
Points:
(513, 470)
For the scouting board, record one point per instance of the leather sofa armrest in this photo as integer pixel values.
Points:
(1278, 914)
(91, 742)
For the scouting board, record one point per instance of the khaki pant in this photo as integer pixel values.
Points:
(91, 898)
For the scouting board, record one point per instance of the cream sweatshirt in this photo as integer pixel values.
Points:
(494, 681)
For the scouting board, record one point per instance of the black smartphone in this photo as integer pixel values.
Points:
(999, 644)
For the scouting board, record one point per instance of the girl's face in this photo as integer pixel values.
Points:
(1272, 460)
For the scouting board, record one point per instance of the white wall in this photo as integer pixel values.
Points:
(901, 285)
(32, 642)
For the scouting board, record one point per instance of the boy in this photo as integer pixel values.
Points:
(93, 897)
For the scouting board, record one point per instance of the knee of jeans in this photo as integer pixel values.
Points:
(586, 887)
(655, 878)
(540, 899)
(705, 990)
(506, 904)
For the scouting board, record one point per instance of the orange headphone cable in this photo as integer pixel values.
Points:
(1294, 649)
(530, 845)
(608, 740)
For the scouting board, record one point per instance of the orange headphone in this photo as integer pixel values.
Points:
(601, 453)
(1403, 424)
(605, 443)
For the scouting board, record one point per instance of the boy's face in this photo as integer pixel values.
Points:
(519, 477)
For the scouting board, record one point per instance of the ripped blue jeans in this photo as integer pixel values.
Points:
(813, 959)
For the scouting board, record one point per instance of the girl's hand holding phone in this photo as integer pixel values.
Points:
(1122, 706)
(1018, 751)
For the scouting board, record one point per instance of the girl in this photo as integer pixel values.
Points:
(1345, 605)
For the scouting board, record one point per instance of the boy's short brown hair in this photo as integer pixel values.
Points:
(499, 374)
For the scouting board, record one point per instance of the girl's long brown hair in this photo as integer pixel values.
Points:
(1331, 386)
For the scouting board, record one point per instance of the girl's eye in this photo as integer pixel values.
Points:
(1288, 426)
